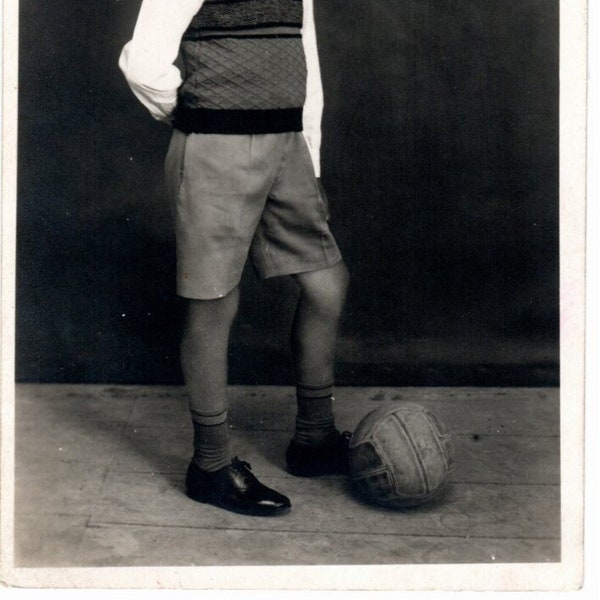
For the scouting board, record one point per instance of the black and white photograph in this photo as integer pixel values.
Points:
(215, 378)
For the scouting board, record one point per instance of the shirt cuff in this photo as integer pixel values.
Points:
(314, 149)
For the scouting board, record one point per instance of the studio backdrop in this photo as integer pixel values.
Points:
(440, 157)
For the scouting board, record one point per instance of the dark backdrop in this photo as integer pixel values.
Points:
(440, 156)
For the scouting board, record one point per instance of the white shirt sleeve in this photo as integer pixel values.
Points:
(147, 61)
(313, 108)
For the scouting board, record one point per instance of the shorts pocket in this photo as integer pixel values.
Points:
(175, 163)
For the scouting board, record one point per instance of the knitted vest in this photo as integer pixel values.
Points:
(245, 68)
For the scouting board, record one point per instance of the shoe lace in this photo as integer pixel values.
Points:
(241, 464)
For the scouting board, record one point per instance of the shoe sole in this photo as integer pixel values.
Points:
(247, 511)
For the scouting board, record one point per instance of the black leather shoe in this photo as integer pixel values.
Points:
(329, 458)
(234, 488)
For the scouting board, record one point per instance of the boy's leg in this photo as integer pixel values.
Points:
(204, 365)
(218, 186)
(212, 475)
(317, 446)
(316, 322)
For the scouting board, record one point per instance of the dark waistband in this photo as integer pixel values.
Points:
(205, 120)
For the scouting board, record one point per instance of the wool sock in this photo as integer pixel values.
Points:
(315, 422)
(211, 440)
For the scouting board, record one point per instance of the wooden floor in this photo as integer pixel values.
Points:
(100, 469)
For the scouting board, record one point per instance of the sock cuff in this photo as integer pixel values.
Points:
(314, 391)
(321, 422)
(208, 419)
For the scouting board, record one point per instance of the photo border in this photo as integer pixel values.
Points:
(566, 575)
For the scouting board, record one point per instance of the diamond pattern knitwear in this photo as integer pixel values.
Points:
(245, 68)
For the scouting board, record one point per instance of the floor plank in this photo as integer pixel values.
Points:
(481, 459)
(510, 411)
(145, 546)
(43, 540)
(67, 488)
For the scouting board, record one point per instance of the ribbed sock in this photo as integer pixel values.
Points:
(211, 440)
(315, 422)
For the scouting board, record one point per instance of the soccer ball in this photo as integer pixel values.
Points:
(400, 456)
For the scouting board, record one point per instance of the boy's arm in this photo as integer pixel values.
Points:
(313, 108)
(147, 60)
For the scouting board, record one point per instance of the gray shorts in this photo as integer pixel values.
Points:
(235, 195)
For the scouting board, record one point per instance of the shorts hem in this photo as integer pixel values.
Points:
(199, 294)
(299, 268)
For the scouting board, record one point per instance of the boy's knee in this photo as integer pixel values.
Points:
(337, 280)
(216, 310)
(327, 287)
(344, 276)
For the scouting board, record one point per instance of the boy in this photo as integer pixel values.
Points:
(242, 176)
